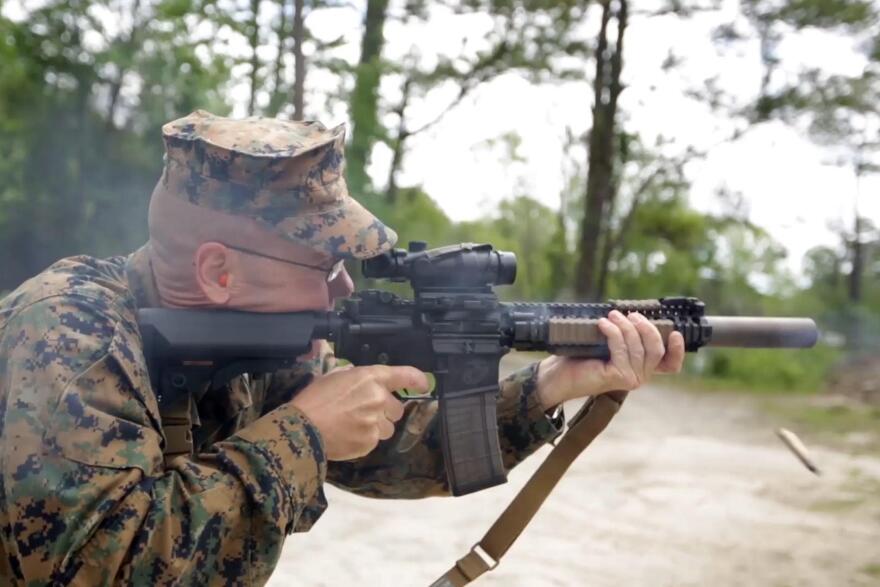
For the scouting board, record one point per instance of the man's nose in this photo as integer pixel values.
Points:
(341, 287)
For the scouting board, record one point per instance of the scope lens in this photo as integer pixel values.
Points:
(506, 268)
(379, 266)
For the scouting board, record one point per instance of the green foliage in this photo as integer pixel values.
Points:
(79, 154)
(781, 370)
(665, 239)
(417, 217)
(827, 13)
(530, 229)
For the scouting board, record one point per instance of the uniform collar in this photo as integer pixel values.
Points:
(141, 281)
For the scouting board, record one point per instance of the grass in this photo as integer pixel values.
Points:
(836, 506)
(771, 370)
(872, 570)
(839, 418)
(859, 492)
(859, 481)
(846, 424)
(695, 382)
(838, 421)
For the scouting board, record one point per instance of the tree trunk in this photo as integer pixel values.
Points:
(277, 99)
(255, 60)
(399, 143)
(600, 175)
(299, 76)
(365, 97)
(608, 250)
(855, 337)
(116, 86)
(858, 262)
(396, 162)
(591, 227)
(616, 240)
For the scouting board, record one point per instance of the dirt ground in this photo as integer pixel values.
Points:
(683, 489)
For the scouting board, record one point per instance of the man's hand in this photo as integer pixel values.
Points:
(637, 352)
(354, 409)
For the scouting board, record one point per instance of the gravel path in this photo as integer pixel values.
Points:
(683, 489)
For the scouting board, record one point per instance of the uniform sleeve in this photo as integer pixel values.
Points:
(86, 496)
(410, 464)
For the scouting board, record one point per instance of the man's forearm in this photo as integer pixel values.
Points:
(220, 514)
(523, 421)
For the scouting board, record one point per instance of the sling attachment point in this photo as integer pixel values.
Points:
(177, 427)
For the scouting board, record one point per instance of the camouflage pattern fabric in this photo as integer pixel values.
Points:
(85, 495)
(288, 175)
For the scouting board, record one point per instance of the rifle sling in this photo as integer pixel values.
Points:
(177, 424)
(586, 425)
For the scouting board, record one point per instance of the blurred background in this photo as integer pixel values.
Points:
(725, 149)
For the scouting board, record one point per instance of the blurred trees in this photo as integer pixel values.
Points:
(365, 96)
(841, 113)
(602, 150)
(85, 86)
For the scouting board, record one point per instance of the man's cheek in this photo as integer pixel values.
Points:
(341, 287)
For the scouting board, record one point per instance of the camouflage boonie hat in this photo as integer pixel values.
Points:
(287, 175)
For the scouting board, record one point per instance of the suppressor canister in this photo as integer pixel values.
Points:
(760, 332)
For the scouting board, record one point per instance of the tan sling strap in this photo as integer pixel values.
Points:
(177, 425)
(586, 425)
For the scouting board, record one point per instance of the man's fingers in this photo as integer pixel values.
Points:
(393, 408)
(634, 345)
(394, 378)
(672, 361)
(651, 340)
(616, 348)
(385, 428)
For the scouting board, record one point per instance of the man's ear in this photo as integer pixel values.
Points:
(214, 272)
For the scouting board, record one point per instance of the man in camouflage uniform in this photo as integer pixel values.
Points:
(251, 215)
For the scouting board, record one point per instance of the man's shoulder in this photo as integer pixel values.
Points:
(71, 372)
(73, 313)
(74, 321)
(96, 288)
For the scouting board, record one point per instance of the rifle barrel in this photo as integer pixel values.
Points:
(759, 332)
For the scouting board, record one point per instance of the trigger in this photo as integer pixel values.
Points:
(404, 395)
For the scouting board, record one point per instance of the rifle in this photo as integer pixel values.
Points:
(454, 327)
